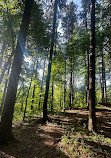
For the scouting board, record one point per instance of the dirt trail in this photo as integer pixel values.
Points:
(37, 140)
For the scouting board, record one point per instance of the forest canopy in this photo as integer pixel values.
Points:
(54, 57)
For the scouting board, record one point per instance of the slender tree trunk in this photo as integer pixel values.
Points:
(87, 76)
(110, 34)
(60, 97)
(73, 93)
(33, 94)
(45, 117)
(64, 88)
(104, 97)
(22, 98)
(28, 92)
(88, 82)
(4, 93)
(52, 96)
(7, 115)
(27, 99)
(92, 115)
(70, 95)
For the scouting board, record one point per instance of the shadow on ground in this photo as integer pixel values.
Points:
(33, 143)
(38, 140)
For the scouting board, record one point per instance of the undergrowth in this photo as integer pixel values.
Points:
(82, 145)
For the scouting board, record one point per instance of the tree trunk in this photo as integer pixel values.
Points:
(88, 81)
(28, 92)
(4, 93)
(33, 94)
(7, 115)
(92, 116)
(110, 34)
(60, 96)
(52, 96)
(104, 96)
(64, 88)
(45, 117)
(27, 99)
(71, 88)
(87, 76)
(73, 93)
(22, 98)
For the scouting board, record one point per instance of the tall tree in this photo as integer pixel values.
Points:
(92, 115)
(45, 117)
(7, 115)
(68, 22)
(104, 96)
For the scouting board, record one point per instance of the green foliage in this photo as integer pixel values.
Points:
(79, 144)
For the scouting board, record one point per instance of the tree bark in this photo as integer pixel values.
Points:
(22, 98)
(87, 81)
(71, 88)
(27, 99)
(92, 116)
(64, 88)
(33, 94)
(52, 96)
(7, 115)
(104, 96)
(110, 34)
(45, 117)
(60, 96)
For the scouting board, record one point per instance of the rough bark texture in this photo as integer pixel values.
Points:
(45, 117)
(92, 117)
(7, 115)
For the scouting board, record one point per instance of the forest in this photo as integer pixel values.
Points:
(55, 78)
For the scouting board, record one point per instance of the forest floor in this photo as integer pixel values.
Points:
(65, 135)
